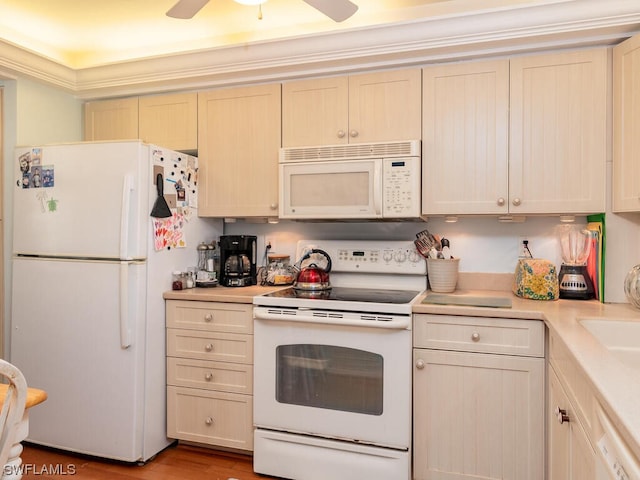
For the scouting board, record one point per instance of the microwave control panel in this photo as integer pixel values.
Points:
(401, 187)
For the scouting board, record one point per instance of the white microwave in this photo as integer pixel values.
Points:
(355, 181)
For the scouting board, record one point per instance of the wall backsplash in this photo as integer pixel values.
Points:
(482, 243)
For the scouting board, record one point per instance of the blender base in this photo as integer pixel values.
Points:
(575, 283)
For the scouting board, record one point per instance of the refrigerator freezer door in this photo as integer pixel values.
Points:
(97, 206)
(70, 343)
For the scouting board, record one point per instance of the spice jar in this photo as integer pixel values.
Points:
(177, 280)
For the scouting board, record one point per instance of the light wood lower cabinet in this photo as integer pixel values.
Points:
(569, 418)
(210, 373)
(478, 398)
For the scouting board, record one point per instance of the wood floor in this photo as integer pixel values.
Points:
(175, 463)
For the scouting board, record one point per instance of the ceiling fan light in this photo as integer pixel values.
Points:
(250, 2)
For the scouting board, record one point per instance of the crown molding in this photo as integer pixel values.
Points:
(564, 24)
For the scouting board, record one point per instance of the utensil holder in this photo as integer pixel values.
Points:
(443, 274)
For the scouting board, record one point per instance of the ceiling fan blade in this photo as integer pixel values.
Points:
(186, 8)
(337, 10)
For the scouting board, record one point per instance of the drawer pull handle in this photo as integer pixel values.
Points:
(208, 347)
(420, 364)
(208, 376)
(562, 415)
(209, 421)
(475, 336)
(208, 317)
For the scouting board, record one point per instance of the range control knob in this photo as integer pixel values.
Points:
(400, 256)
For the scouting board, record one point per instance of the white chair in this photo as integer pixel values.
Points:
(13, 422)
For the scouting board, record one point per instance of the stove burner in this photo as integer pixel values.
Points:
(369, 295)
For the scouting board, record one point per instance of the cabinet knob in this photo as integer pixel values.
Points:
(420, 364)
(340, 133)
(562, 415)
(208, 376)
(209, 421)
(208, 347)
(208, 317)
(273, 206)
(475, 336)
(516, 202)
(353, 133)
(501, 202)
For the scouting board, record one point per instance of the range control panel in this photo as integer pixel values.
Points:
(369, 256)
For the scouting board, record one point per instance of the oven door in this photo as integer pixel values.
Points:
(345, 382)
(331, 189)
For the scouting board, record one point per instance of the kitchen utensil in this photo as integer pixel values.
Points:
(424, 242)
(575, 246)
(446, 250)
(160, 208)
(313, 277)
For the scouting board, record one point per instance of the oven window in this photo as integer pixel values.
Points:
(326, 376)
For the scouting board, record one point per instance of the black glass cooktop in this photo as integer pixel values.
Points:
(349, 294)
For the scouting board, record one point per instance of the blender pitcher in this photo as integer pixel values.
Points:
(575, 247)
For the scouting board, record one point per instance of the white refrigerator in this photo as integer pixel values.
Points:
(89, 268)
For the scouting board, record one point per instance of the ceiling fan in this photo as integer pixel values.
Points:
(337, 10)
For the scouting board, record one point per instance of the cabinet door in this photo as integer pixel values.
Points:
(558, 153)
(478, 416)
(570, 455)
(315, 112)
(111, 119)
(465, 138)
(238, 142)
(626, 126)
(170, 121)
(385, 106)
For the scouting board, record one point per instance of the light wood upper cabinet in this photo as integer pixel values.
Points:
(626, 126)
(521, 136)
(239, 133)
(315, 112)
(170, 121)
(558, 132)
(465, 138)
(111, 119)
(366, 108)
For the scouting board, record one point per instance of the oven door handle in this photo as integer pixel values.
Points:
(395, 323)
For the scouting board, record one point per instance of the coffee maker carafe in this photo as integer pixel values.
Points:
(238, 260)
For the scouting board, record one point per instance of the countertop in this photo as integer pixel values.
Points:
(617, 386)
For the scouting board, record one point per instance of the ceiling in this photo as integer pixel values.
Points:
(88, 33)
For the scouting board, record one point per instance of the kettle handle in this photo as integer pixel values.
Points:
(322, 252)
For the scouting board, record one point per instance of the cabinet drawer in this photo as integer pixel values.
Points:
(212, 316)
(479, 334)
(213, 418)
(225, 347)
(223, 376)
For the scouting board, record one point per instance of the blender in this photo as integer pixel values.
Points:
(575, 245)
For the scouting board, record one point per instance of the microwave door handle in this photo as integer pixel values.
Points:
(377, 188)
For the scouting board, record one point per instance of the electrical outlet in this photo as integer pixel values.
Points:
(270, 244)
(523, 252)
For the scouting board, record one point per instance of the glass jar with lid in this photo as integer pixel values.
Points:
(279, 270)
(632, 286)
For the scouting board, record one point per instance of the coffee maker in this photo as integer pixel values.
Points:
(238, 260)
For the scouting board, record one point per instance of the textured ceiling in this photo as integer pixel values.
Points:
(87, 33)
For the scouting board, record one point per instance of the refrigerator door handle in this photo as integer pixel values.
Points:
(127, 188)
(125, 331)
